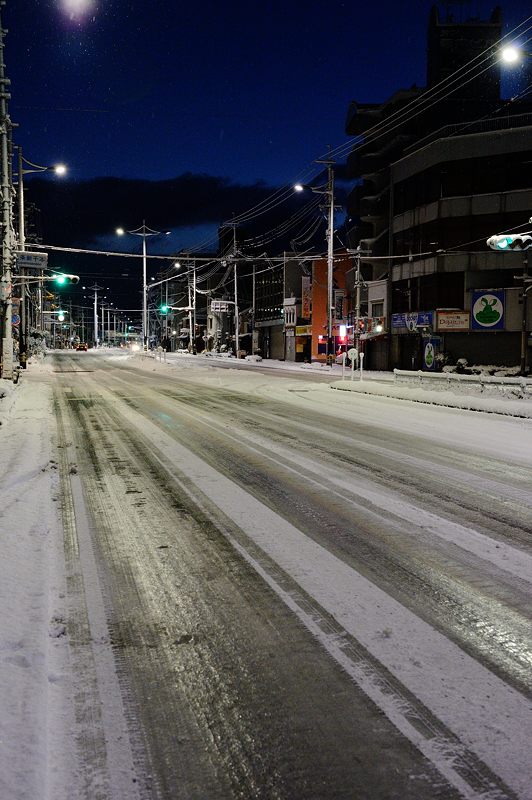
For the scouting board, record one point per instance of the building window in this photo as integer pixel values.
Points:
(377, 308)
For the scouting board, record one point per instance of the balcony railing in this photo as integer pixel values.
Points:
(477, 126)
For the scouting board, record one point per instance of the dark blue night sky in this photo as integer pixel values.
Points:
(246, 94)
(251, 91)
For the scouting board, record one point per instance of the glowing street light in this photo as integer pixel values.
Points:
(513, 54)
(510, 54)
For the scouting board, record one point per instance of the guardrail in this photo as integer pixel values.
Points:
(478, 384)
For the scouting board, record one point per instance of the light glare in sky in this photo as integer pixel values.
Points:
(77, 7)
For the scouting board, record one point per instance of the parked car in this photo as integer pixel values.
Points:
(82, 346)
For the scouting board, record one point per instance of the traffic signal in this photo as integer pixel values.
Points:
(518, 241)
(164, 309)
(63, 278)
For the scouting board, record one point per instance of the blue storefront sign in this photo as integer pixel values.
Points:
(487, 310)
(412, 320)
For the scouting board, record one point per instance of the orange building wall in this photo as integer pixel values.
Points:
(319, 300)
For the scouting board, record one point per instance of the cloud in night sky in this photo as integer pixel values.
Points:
(75, 213)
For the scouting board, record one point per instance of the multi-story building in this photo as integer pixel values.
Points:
(436, 179)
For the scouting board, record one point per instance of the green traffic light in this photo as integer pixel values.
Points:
(163, 309)
(61, 279)
(504, 242)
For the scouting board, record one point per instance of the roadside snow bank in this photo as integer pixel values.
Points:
(460, 396)
(34, 748)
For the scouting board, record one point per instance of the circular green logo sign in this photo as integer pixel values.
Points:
(488, 310)
(429, 354)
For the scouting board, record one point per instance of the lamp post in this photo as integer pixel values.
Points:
(58, 169)
(513, 55)
(144, 232)
(328, 191)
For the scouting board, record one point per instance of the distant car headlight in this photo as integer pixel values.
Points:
(135, 347)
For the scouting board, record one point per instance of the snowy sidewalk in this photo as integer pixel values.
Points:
(34, 672)
(464, 399)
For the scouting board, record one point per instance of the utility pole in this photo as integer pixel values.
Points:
(190, 342)
(237, 326)
(329, 192)
(166, 316)
(357, 302)
(96, 289)
(24, 327)
(7, 217)
(237, 340)
(253, 314)
(194, 307)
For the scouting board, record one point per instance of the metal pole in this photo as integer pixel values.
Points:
(237, 340)
(166, 317)
(253, 314)
(23, 335)
(7, 213)
(95, 288)
(524, 331)
(194, 306)
(330, 265)
(190, 346)
(144, 293)
(357, 303)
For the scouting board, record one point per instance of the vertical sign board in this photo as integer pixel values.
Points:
(487, 310)
(305, 297)
(431, 348)
(338, 303)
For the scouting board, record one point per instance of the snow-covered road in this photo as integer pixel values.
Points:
(278, 590)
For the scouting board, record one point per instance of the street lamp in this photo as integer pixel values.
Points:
(60, 170)
(328, 191)
(513, 54)
(145, 232)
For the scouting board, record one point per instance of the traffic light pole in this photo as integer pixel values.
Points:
(516, 242)
(527, 285)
